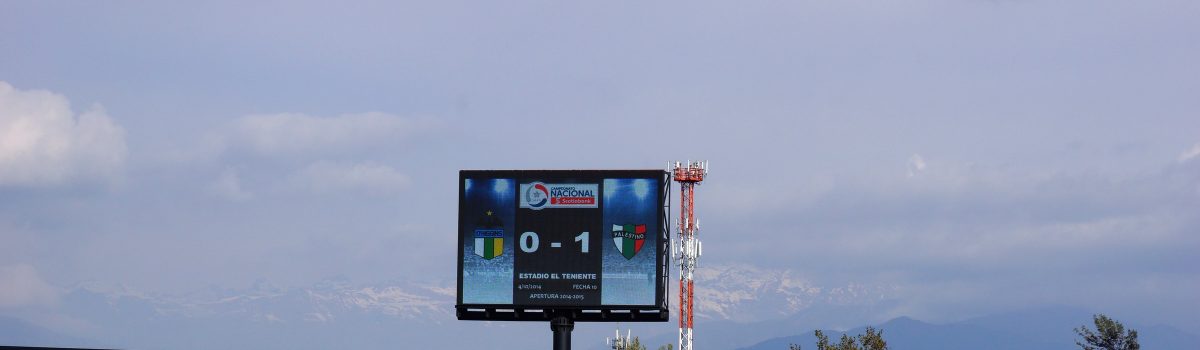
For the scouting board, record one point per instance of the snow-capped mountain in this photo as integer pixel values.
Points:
(745, 293)
(322, 302)
(340, 313)
(735, 292)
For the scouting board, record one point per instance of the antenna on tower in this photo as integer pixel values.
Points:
(687, 175)
(619, 343)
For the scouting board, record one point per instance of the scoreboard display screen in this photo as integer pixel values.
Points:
(562, 239)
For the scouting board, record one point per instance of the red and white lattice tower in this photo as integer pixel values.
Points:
(687, 175)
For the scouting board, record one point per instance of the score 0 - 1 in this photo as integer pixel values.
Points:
(530, 242)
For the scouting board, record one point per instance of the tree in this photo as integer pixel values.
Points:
(667, 347)
(636, 344)
(822, 340)
(1109, 335)
(872, 339)
(847, 343)
(631, 344)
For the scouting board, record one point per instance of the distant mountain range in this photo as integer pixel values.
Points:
(1040, 329)
(745, 293)
(740, 306)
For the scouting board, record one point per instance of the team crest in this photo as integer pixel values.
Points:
(629, 239)
(489, 237)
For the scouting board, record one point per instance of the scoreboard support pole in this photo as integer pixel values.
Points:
(562, 327)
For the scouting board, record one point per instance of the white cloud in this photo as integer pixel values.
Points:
(327, 177)
(43, 143)
(229, 186)
(21, 286)
(289, 133)
(1189, 154)
(916, 164)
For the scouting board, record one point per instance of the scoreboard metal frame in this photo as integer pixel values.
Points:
(658, 312)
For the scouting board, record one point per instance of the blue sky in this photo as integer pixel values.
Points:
(974, 156)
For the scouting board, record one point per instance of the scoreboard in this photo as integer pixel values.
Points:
(591, 242)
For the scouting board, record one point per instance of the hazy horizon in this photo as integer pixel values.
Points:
(964, 157)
